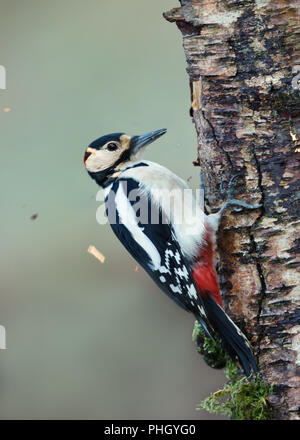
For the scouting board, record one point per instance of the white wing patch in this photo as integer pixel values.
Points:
(128, 218)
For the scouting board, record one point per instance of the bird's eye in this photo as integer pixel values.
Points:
(112, 146)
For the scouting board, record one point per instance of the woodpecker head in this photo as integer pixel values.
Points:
(106, 155)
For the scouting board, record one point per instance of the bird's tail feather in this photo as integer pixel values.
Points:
(234, 340)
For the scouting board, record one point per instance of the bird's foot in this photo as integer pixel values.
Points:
(237, 205)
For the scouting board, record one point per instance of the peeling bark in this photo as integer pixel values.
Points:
(244, 68)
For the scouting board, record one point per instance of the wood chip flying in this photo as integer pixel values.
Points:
(34, 216)
(97, 254)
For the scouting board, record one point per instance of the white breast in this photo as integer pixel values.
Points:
(177, 201)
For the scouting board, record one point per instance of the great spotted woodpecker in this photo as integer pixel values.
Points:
(175, 246)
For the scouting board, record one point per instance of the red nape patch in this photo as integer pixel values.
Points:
(86, 156)
(204, 272)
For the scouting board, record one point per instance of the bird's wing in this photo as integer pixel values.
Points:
(146, 234)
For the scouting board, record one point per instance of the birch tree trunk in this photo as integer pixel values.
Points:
(244, 71)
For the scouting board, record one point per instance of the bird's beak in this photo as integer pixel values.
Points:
(138, 142)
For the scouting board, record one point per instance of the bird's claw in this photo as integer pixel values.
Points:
(229, 193)
(237, 205)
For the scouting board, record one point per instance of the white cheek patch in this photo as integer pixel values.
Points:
(101, 160)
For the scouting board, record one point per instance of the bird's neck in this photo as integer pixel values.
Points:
(104, 178)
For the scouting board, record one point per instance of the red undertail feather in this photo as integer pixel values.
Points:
(204, 272)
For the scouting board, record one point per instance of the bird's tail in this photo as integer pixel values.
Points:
(235, 342)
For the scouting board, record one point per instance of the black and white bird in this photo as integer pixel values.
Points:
(152, 212)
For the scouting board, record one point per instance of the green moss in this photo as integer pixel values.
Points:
(241, 398)
(231, 371)
(211, 350)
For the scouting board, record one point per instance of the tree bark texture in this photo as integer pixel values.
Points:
(244, 70)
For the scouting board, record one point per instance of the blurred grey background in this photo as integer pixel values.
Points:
(84, 339)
